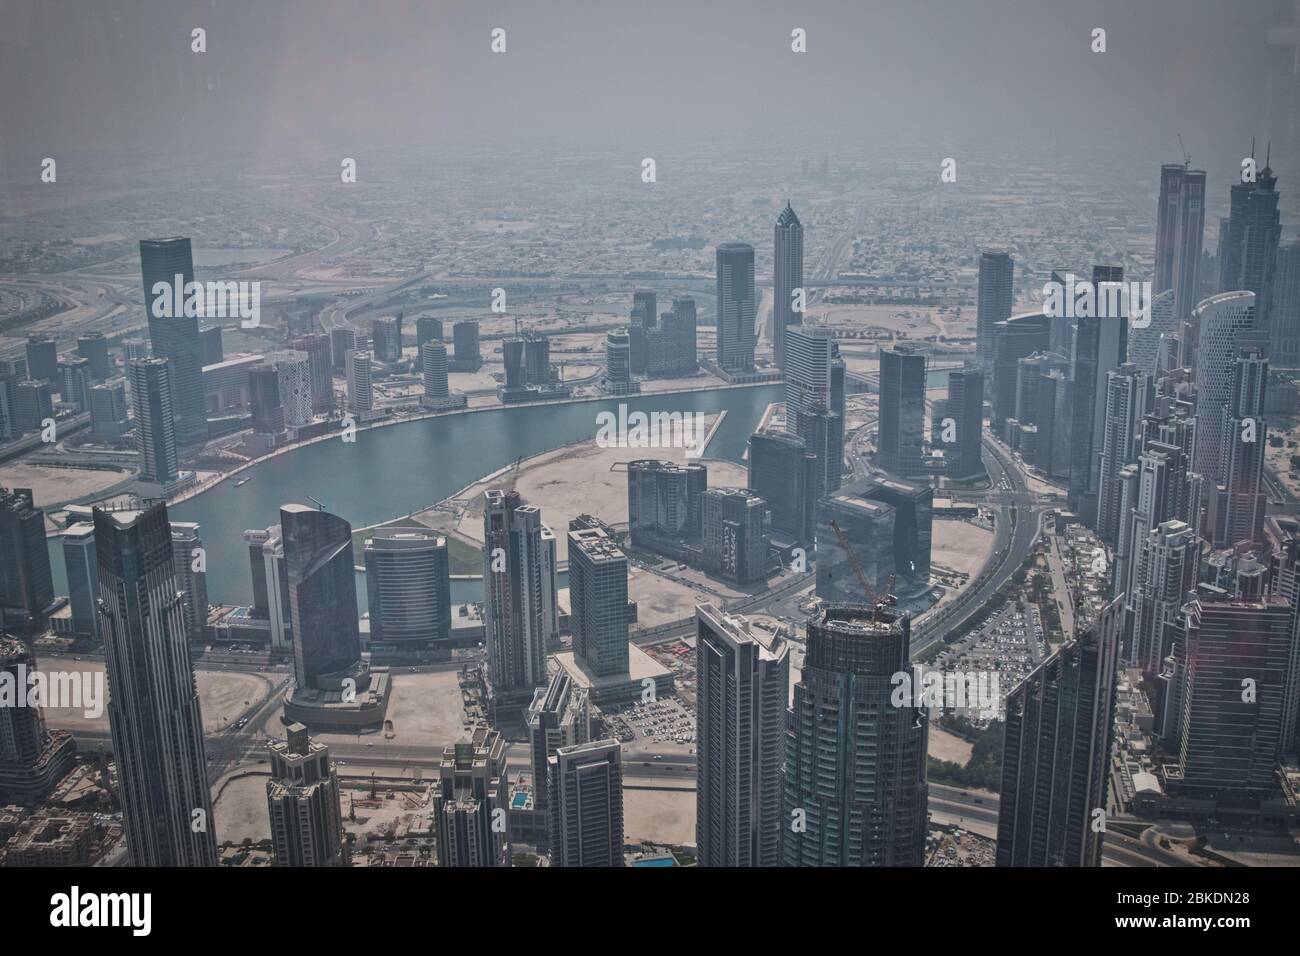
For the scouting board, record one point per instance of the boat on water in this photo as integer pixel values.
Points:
(243, 481)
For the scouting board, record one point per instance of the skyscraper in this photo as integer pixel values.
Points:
(26, 584)
(520, 618)
(151, 397)
(598, 602)
(1128, 397)
(784, 473)
(1056, 754)
(408, 586)
(1248, 247)
(465, 347)
(1147, 343)
(1284, 347)
(966, 409)
(560, 716)
(664, 500)
(175, 338)
(190, 563)
(743, 677)
(294, 371)
(902, 410)
(586, 804)
(736, 306)
(427, 329)
(303, 799)
(109, 419)
(211, 349)
(93, 347)
(1164, 572)
(470, 802)
(264, 399)
(82, 568)
(1014, 339)
(854, 782)
(322, 596)
(1237, 502)
(1180, 230)
(1219, 320)
(994, 298)
(32, 759)
(360, 397)
(385, 339)
(153, 706)
(42, 358)
(618, 362)
(788, 277)
(316, 345)
(1239, 689)
(342, 341)
(433, 360)
(814, 397)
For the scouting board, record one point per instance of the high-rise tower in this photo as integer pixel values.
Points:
(788, 277)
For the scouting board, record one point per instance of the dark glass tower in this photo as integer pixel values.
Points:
(26, 584)
(902, 410)
(996, 291)
(855, 791)
(322, 594)
(176, 338)
(736, 306)
(153, 706)
(1056, 755)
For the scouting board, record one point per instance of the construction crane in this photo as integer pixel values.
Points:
(320, 505)
(513, 475)
(1187, 160)
(873, 599)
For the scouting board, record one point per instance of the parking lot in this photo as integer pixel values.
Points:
(660, 721)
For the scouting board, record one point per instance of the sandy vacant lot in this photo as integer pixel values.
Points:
(425, 709)
(57, 485)
(224, 697)
(661, 816)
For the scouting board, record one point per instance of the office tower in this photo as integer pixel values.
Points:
(151, 396)
(1100, 344)
(322, 594)
(34, 404)
(1248, 247)
(175, 337)
(784, 473)
(1056, 755)
(519, 614)
(470, 802)
(537, 358)
(1054, 422)
(42, 358)
(26, 585)
(560, 716)
(913, 506)
(1028, 410)
(109, 419)
(83, 578)
(1285, 565)
(153, 706)
(427, 329)
(1284, 347)
(664, 500)
(1164, 572)
(303, 799)
(1013, 339)
(643, 320)
(823, 433)
(133, 349)
(618, 361)
(1219, 319)
(270, 575)
(293, 370)
(211, 349)
(854, 782)
(734, 540)
(264, 398)
(10, 428)
(76, 383)
(342, 341)
(598, 602)
(433, 359)
(1237, 502)
(464, 343)
(32, 759)
(868, 526)
(408, 585)
(902, 410)
(814, 397)
(670, 344)
(190, 563)
(384, 339)
(736, 306)
(93, 347)
(512, 354)
(787, 277)
(316, 345)
(993, 305)
(1147, 344)
(1180, 230)
(1231, 738)
(585, 784)
(1128, 398)
(743, 677)
(360, 396)
(966, 409)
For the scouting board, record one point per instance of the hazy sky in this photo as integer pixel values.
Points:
(283, 77)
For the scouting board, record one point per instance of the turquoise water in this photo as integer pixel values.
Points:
(392, 471)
